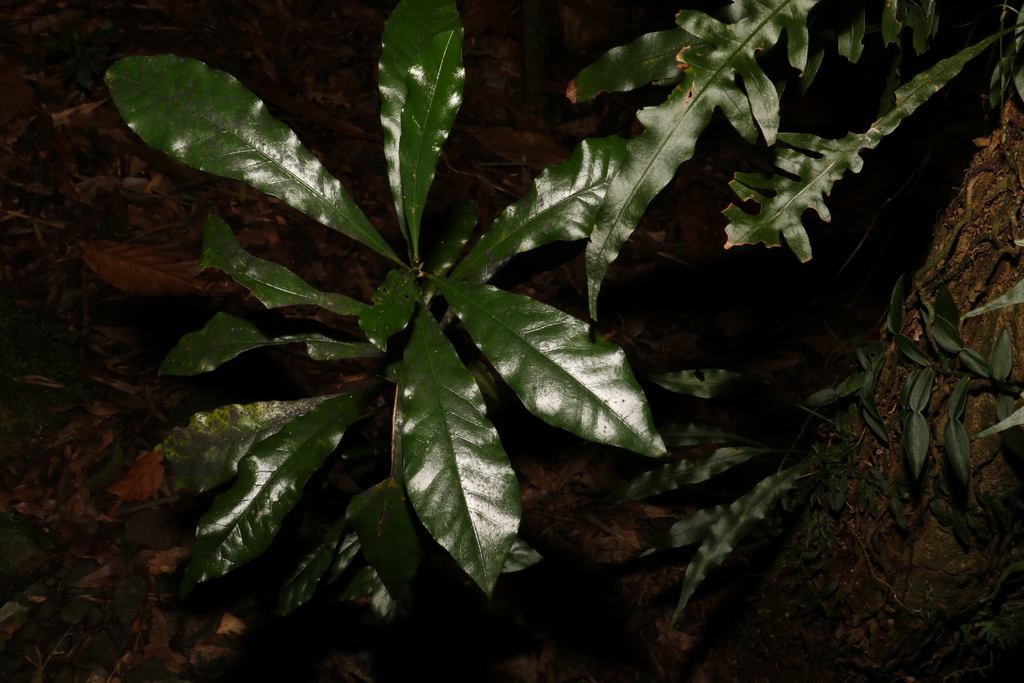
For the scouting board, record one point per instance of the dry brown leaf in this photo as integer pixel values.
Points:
(142, 480)
(138, 269)
(229, 624)
(160, 646)
(168, 561)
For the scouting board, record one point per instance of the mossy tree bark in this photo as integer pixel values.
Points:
(869, 599)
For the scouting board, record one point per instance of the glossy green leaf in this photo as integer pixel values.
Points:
(975, 362)
(205, 454)
(408, 31)
(343, 556)
(916, 439)
(311, 568)
(958, 448)
(457, 474)
(563, 372)
(383, 520)
(894, 319)
(910, 349)
(434, 95)
(649, 58)
(393, 306)
(705, 383)
(244, 520)
(735, 522)
(520, 556)
(671, 130)
(811, 165)
(958, 398)
(458, 227)
(680, 434)
(560, 205)
(850, 40)
(366, 583)
(689, 530)
(1002, 356)
(226, 336)
(210, 121)
(671, 476)
(271, 283)
(821, 398)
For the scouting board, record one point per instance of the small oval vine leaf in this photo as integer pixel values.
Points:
(273, 284)
(205, 454)
(243, 521)
(1002, 356)
(958, 448)
(946, 336)
(671, 476)
(383, 520)
(456, 471)
(732, 526)
(910, 349)
(226, 337)
(920, 389)
(393, 306)
(958, 399)
(564, 373)
(915, 441)
(975, 362)
(209, 120)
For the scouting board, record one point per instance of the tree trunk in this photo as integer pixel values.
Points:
(856, 594)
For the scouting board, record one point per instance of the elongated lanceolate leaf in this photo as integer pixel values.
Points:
(1011, 298)
(409, 30)
(560, 205)
(393, 305)
(690, 530)
(958, 448)
(1015, 419)
(818, 163)
(735, 522)
(226, 336)
(671, 130)
(680, 434)
(243, 521)
(563, 372)
(271, 283)
(311, 568)
(649, 58)
(383, 520)
(456, 471)
(705, 383)
(434, 86)
(205, 454)
(683, 472)
(209, 120)
(916, 438)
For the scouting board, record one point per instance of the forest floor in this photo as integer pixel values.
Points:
(93, 531)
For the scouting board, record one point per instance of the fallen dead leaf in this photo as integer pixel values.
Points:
(229, 624)
(142, 480)
(138, 269)
(168, 561)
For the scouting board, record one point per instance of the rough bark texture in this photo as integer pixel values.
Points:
(856, 597)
